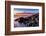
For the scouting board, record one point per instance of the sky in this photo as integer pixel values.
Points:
(22, 10)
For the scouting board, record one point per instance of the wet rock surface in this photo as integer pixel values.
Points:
(31, 21)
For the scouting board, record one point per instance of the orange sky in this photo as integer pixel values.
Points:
(21, 14)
